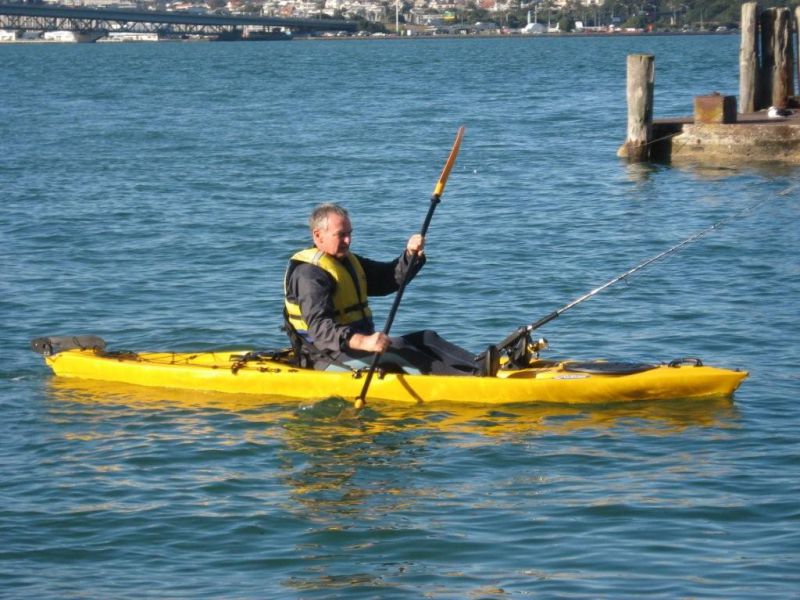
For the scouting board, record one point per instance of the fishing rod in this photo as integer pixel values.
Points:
(521, 334)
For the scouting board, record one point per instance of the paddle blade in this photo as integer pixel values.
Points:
(448, 166)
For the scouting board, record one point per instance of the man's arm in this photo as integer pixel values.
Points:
(383, 278)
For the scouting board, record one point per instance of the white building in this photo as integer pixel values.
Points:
(563, 3)
(60, 36)
(130, 36)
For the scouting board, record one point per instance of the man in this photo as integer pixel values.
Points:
(328, 318)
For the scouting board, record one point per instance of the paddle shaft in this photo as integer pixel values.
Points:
(436, 198)
(398, 297)
(408, 274)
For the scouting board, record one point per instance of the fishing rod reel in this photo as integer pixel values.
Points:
(518, 348)
(522, 351)
(539, 345)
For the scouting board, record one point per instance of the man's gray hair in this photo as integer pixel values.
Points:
(319, 216)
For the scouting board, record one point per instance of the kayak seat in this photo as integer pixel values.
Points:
(47, 346)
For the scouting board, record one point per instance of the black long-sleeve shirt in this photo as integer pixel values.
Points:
(312, 288)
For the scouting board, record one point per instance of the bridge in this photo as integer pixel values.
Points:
(59, 18)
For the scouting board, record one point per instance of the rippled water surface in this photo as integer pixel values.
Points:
(152, 195)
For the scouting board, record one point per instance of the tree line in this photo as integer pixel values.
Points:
(640, 14)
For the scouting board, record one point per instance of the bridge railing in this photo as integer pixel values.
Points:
(25, 16)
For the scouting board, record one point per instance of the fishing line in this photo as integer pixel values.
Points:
(523, 332)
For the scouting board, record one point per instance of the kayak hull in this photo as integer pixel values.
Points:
(543, 381)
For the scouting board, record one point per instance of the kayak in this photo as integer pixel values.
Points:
(274, 375)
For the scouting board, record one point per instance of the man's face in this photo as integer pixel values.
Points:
(334, 238)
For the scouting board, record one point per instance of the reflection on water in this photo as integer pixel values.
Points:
(319, 483)
(89, 392)
(640, 172)
(335, 416)
(710, 169)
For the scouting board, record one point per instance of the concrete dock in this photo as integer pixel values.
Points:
(754, 137)
(766, 130)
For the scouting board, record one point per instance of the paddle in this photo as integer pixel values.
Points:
(435, 199)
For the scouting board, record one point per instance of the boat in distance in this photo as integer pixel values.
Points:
(275, 374)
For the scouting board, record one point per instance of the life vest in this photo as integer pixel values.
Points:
(349, 297)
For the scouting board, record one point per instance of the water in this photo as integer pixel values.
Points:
(152, 194)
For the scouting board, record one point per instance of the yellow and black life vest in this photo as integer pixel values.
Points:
(350, 295)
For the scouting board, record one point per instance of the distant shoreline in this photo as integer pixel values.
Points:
(392, 36)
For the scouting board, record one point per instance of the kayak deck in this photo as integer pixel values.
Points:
(564, 382)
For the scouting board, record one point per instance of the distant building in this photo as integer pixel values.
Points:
(125, 4)
(564, 3)
(130, 36)
(481, 27)
(534, 28)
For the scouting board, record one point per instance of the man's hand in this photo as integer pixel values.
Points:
(416, 244)
(377, 342)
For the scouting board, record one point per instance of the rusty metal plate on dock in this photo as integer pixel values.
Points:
(715, 108)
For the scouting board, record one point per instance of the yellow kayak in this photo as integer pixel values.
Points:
(273, 375)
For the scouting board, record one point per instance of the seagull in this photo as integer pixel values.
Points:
(778, 113)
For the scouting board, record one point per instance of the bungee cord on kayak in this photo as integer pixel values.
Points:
(518, 345)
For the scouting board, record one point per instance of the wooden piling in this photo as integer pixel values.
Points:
(797, 29)
(767, 23)
(748, 59)
(640, 85)
(777, 75)
(783, 78)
